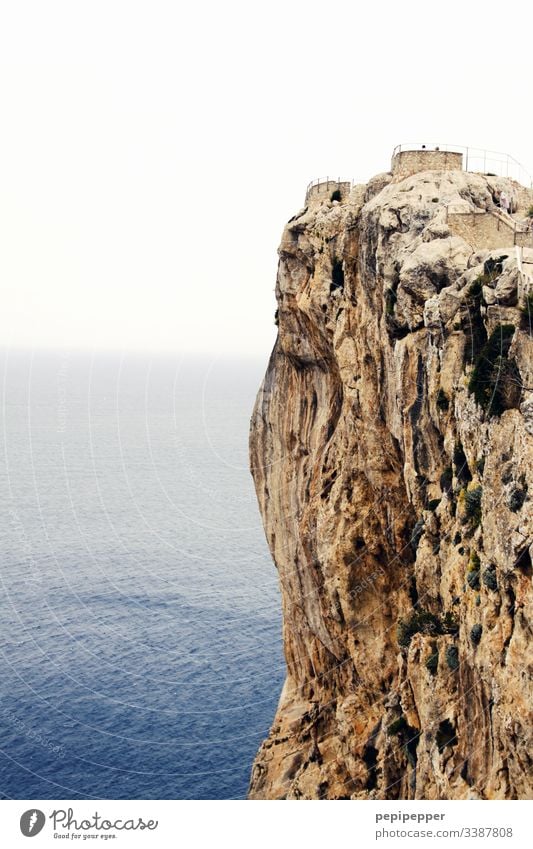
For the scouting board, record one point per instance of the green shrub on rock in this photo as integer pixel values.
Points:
(475, 634)
(495, 380)
(473, 505)
(452, 658)
(420, 621)
(489, 578)
(472, 574)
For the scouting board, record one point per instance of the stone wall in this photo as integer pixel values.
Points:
(322, 191)
(484, 231)
(409, 162)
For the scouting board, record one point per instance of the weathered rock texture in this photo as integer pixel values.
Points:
(392, 448)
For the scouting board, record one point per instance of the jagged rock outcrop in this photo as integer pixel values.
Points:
(391, 449)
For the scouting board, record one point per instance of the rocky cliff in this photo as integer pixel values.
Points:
(391, 449)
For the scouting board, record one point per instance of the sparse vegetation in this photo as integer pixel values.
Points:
(495, 380)
(475, 634)
(473, 325)
(420, 621)
(480, 465)
(517, 498)
(473, 505)
(489, 578)
(529, 213)
(452, 658)
(450, 623)
(472, 574)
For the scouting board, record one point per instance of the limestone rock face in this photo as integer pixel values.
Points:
(391, 449)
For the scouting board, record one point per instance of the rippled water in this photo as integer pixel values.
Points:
(140, 614)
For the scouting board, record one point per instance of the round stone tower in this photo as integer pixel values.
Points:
(406, 162)
(326, 188)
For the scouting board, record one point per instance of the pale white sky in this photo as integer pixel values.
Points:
(151, 152)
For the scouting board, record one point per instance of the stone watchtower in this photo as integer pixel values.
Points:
(409, 161)
(327, 188)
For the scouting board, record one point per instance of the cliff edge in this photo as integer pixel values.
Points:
(391, 448)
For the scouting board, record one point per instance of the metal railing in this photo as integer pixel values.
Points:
(326, 181)
(477, 160)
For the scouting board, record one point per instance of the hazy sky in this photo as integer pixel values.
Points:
(151, 152)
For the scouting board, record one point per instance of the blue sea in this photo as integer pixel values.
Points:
(140, 628)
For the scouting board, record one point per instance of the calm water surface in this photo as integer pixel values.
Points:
(140, 614)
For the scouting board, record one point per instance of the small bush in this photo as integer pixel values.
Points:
(473, 325)
(517, 498)
(495, 380)
(442, 400)
(529, 213)
(450, 623)
(421, 621)
(489, 578)
(473, 505)
(472, 574)
(475, 634)
(452, 658)
(473, 580)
